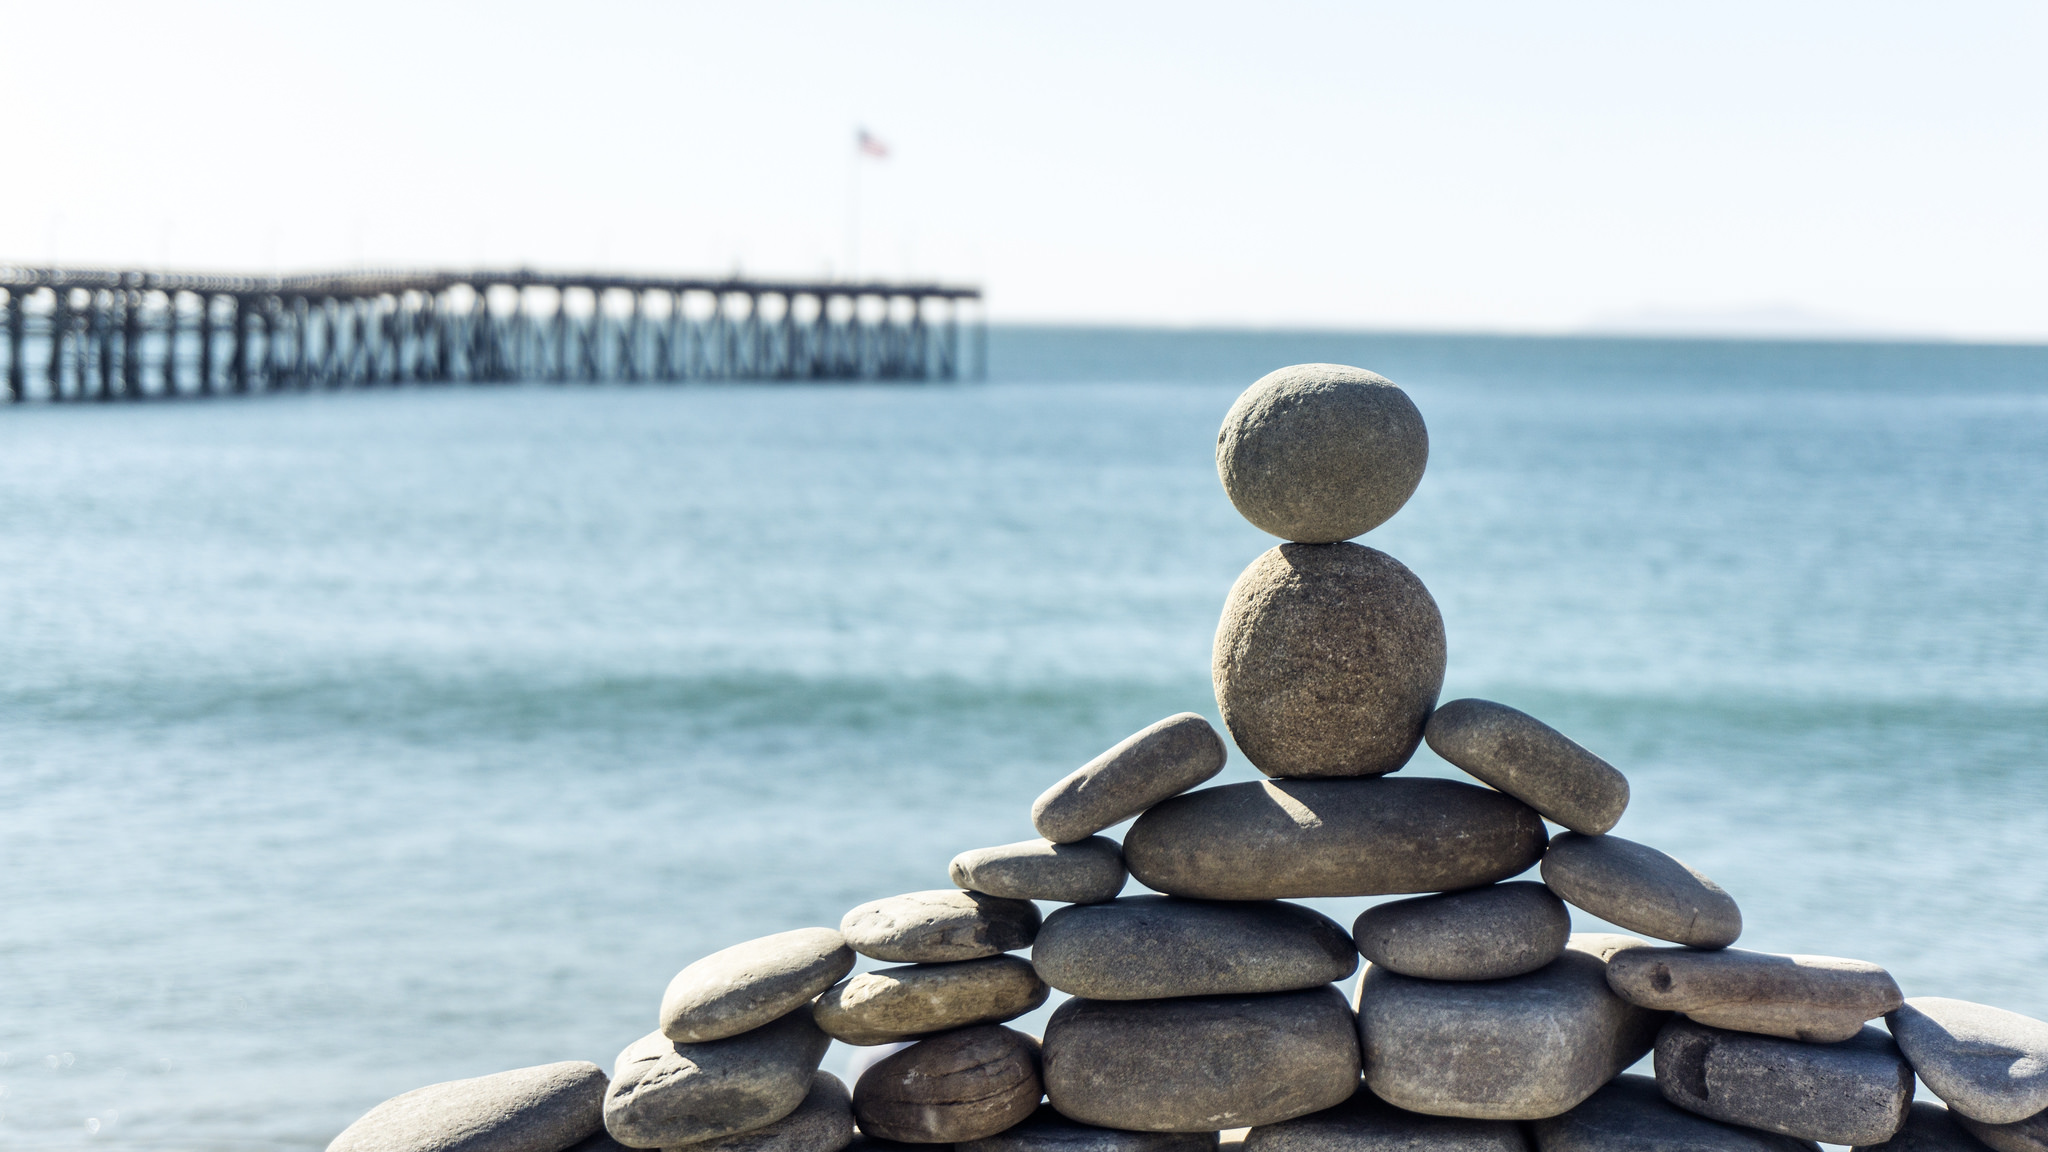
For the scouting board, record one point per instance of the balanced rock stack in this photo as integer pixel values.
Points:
(1480, 1022)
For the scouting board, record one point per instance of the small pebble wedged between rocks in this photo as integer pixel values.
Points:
(1048, 1131)
(1086, 871)
(1160, 760)
(1817, 999)
(1487, 933)
(938, 926)
(1852, 1092)
(1155, 947)
(546, 1108)
(822, 1123)
(1279, 839)
(1989, 1064)
(2029, 1135)
(1531, 761)
(745, 986)
(952, 1087)
(1630, 1115)
(1636, 887)
(1366, 1123)
(1928, 1128)
(893, 1004)
(664, 1093)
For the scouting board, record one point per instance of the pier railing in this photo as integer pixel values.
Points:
(103, 334)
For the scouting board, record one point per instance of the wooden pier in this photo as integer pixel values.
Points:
(71, 334)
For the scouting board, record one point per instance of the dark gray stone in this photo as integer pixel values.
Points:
(1531, 761)
(1852, 1092)
(1327, 661)
(1155, 947)
(1321, 452)
(822, 1123)
(747, 985)
(1200, 1064)
(1517, 1049)
(893, 1004)
(1278, 839)
(1487, 933)
(1157, 761)
(1048, 1131)
(1929, 1128)
(1636, 887)
(1630, 1115)
(938, 926)
(664, 1093)
(1086, 871)
(1990, 1065)
(2029, 1135)
(599, 1141)
(546, 1108)
(1365, 1123)
(1818, 999)
(951, 1087)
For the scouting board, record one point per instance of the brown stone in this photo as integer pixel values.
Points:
(1085, 871)
(893, 1004)
(1818, 999)
(1153, 947)
(1365, 1123)
(1487, 933)
(1852, 1092)
(542, 1109)
(951, 1087)
(1531, 761)
(938, 926)
(1159, 760)
(1636, 887)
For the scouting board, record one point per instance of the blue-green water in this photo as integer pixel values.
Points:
(349, 743)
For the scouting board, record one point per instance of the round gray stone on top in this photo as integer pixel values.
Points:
(1818, 999)
(1630, 1115)
(1852, 1092)
(747, 985)
(1989, 1064)
(1366, 1123)
(938, 926)
(1636, 887)
(1048, 1131)
(1327, 661)
(955, 1086)
(1929, 1128)
(893, 1004)
(664, 1093)
(1531, 761)
(1317, 453)
(1086, 871)
(1159, 760)
(1487, 933)
(546, 1108)
(1283, 839)
(822, 1123)
(1154, 947)
(2029, 1135)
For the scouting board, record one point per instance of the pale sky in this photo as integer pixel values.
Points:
(1450, 165)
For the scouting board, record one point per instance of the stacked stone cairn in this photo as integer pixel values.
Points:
(1480, 1022)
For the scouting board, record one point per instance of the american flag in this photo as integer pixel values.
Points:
(871, 145)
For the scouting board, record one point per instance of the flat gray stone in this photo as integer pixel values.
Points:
(1531, 761)
(1630, 1115)
(1327, 661)
(1818, 999)
(895, 1004)
(938, 926)
(951, 1087)
(1086, 871)
(1929, 1128)
(2029, 1135)
(1048, 1131)
(1200, 1064)
(664, 1093)
(1636, 887)
(1852, 1092)
(747, 985)
(546, 1108)
(1517, 1049)
(1157, 761)
(822, 1123)
(1321, 452)
(1487, 933)
(1154, 947)
(1990, 1065)
(1366, 1123)
(1279, 839)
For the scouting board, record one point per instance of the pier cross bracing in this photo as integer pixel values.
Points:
(102, 334)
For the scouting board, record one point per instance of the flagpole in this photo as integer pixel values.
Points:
(853, 214)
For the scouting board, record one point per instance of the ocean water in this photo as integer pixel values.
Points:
(354, 742)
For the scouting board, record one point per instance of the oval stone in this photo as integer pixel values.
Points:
(1048, 1131)
(822, 1123)
(1531, 761)
(1157, 761)
(1852, 1092)
(1636, 887)
(951, 1087)
(938, 926)
(1487, 933)
(1086, 871)
(1200, 1064)
(1327, 661)
(893, 1004)
(747, 985)
(545, 1108)
(1278, 839)
(1365, 1123)
(1817, 999)
(664, 1093)
(1155, 947)
(1928, 1128)
(1630, 1115)
(2029, 1135)
(1989, 1064)
(1321, 452)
